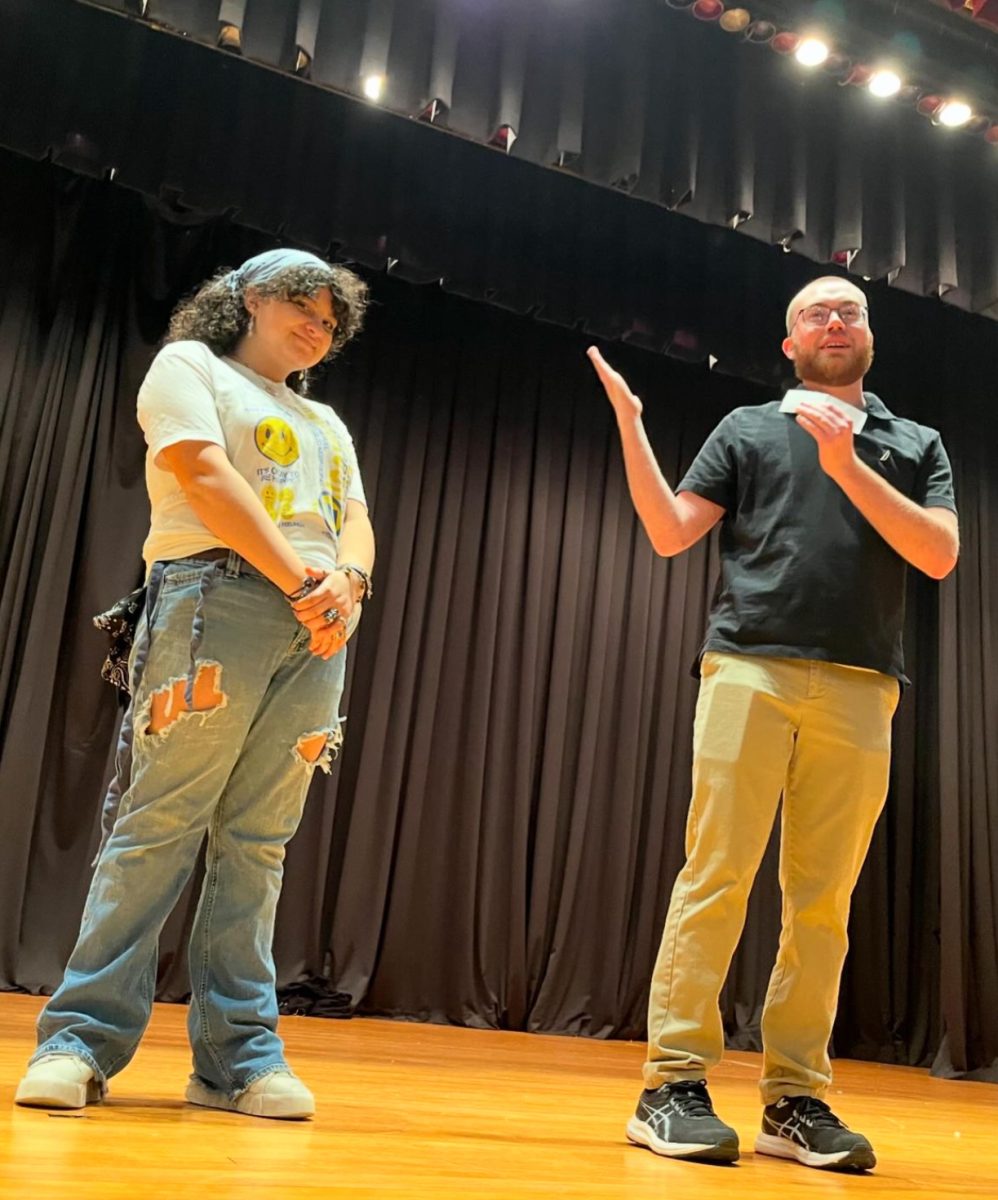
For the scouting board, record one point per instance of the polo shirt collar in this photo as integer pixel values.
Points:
(875, 407)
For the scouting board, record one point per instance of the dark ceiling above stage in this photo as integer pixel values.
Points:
(638, 96)
(213, 134)
(502, 62)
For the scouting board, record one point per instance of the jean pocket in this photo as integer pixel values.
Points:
(181, 574)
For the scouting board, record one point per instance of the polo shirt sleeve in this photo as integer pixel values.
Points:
(713, 474)
(176, 401)
(934, 480)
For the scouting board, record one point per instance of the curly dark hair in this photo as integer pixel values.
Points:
(216, 313)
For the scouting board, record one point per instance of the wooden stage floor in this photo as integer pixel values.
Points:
(412, 1110)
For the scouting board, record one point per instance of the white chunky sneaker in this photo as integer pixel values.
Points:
(279, 1095)
(58, 1081)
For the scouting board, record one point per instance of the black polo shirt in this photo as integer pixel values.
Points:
(803, 573)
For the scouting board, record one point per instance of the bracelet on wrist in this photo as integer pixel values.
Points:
(308, 585)
(352, 571)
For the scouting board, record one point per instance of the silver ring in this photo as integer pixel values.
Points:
(331, 615)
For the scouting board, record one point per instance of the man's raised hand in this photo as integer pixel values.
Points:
(625, 403)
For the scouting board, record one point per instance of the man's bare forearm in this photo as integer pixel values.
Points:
(673, 523)
(654, 501)
(926, 538)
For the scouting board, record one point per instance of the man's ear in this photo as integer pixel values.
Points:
(789, 349)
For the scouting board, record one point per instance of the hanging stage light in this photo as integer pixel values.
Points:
(760, 32)
(374, 87)
(785, 42)
(736, 20)
(953, 114)
(811, 52)
(838, 66)
(885, 84)
(985, 11)
(229, 38)
(860, 75)
(433, 112)
(503, 138)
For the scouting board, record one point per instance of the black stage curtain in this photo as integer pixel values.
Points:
(671, 110)
(498, 841)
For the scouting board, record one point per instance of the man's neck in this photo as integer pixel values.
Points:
(852, 393)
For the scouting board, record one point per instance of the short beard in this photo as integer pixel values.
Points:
(835, 373)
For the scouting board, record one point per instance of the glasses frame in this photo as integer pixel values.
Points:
(832, 308)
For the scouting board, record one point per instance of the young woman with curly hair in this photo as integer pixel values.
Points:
(258, 556)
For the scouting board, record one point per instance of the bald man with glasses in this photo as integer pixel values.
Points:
(823, 500)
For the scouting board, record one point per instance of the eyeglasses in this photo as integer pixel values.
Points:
(817, 315)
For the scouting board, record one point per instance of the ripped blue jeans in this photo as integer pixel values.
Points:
(230, 715)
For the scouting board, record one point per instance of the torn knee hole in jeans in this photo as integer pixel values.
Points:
(169, 704)
(319, 748)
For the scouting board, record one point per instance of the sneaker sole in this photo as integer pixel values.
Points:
(51, 1094)
(278, 1108)
(641, 1134)
(859, 1159)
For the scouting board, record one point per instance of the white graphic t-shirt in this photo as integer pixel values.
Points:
(296, 454)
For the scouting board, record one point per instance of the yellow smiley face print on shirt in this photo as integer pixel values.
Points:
(276, 440)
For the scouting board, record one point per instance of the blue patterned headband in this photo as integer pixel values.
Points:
(262, 268)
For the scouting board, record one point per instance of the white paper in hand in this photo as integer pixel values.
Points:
(791, 403)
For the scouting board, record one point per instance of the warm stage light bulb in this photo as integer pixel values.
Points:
(374, 85)
(736, 20)
(812, 52)
(954, 113)
(885, 84)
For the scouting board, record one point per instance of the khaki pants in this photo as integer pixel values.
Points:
(820, 734)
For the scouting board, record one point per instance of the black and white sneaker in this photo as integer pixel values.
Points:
(678, 1120)
(806, 1129)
